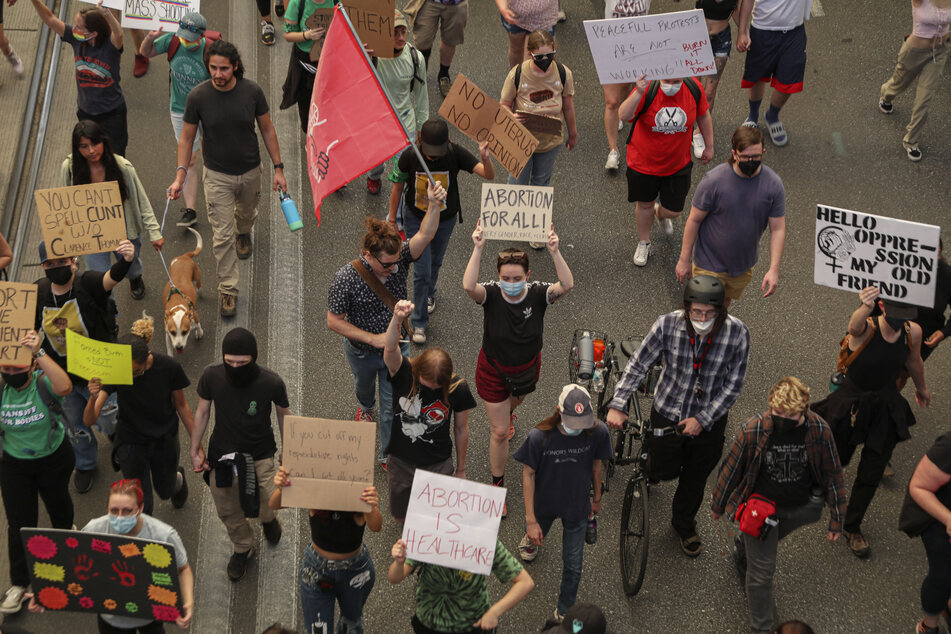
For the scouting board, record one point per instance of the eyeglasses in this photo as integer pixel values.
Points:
(541, 57)
(748, 157)
(703, 314)
(513, 257)
(386, 265)
(191, 27)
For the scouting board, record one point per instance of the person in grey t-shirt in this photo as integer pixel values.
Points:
(733, 205)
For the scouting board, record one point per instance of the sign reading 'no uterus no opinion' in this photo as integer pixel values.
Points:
(855, 250)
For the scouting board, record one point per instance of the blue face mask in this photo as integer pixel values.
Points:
(513, 289)
(122, 525)
(570, 432)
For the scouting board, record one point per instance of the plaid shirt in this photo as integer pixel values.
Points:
(741, 467)
(721, 373)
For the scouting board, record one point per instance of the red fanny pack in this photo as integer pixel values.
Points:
(757, 516)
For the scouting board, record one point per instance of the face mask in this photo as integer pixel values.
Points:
(544, 63)
(16, 381)
(702, 327)
(512, 289)
(242, 375)
(60, 274)
(189, 45)
(81, 37)
(123, 525)
(670, 89)
(748, 167)
(782, 424)
(894, 323)
(570, 432)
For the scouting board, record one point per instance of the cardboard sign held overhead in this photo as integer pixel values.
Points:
(91, 359)
(481, 118)
(373, 21)
(855, 250)
(319, 19)
(516, 212)
(329, 463)
(151, 15)
(17, 316)
(81, 219)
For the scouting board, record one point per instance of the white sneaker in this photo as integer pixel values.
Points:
(640, 254)
(431, 305)
(12, 600)
(16, 62)
(419, 335)
(666, 224)
(620, 125)
(612, 162)
(698, 145)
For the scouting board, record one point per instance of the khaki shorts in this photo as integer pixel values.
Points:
(452, 17)
(734, 285)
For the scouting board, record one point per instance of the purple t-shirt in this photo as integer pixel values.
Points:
(738, 211)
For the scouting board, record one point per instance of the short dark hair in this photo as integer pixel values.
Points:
(140, 349)
(230, 52)
(744, 137)
(512, 256)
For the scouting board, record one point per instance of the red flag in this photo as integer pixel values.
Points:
(352, 127)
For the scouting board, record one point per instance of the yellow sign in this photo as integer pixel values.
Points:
(91, 359)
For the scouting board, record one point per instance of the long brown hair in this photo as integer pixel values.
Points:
(434, 365)
(95, 21)
(551, 424)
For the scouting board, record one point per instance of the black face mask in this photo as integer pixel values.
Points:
(16, 381)
(543, 63)
(242, 375)
(782, 424)
(894, 323)
(60, 274)
(749, 167)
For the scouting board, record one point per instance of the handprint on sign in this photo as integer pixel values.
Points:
(124, 574)
(82, 568)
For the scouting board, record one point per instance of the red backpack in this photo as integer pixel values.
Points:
(209, 36)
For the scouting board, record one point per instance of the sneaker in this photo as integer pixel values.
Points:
(512, 419)
(141, 65)
(373, 185)
(137, 287)
(383, 463)
(228, 302)
(889, 471)
(858, 544)
(431, 305)
(591, 533)
(698, 145)
(272, 531)
(279, 9)
(914, 154)
(267, 36)
(419, 335)
(749, 123)
(614, 158)
(243, 246)
(641, 252)
(364, 416)
(538, 246)
(189, 218)
(444, 85)
(17, 65)
(921, 628)
(13, 600)
(666, 224)
(562, 16)
(886, 106)
(181, 490)
(692, 546)
(83, 479)
(527, 550)
(777, 133)
(238, 564)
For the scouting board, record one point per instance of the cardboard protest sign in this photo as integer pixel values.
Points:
(481, 118)
(81, 219)
(453, 522)
(91, 359)
(17, 315)
(855, 250)
(329, 463)
(660, 46)
(373, 21)
(540, 123)
(516, 212)
(319, 19)
(73, 571)
(151, 15)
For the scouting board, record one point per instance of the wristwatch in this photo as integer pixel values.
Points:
(39, 353)
(279, 166)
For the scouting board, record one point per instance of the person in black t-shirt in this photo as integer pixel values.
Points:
(146, 445)
(513, 313)
(242, 392)
(426, 395)
(444, 160)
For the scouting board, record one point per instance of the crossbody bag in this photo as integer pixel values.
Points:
(518, 383)
(381, 291)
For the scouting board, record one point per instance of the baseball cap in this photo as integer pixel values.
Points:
(584, 618)
(575, 407)
(43, 254)
(434, 138)
(898, 310)
(191, 26)
(400, 20)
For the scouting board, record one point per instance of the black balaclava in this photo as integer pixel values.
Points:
(240, 341)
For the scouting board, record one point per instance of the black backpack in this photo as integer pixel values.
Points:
(649, 96)
(103, 324)
(562, 74)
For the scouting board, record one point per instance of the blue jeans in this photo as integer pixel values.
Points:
(102, 261)
(368, 368)
(347, 581)
(426, 268)
(572, 555)
(82, 438)
(538, 169)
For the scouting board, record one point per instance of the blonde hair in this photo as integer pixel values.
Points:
(789, 395)
(144, 327)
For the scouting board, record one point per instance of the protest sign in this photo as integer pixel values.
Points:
(540, 123)
(81, 219)
(73, 571)
(91, 359)
(118, 5)
(329, 463)
(17, 316)
(319, 19)
(481, 118)
(660, 46)
(151, 15)
(516, 212)
(855, 250)
(453, 522)
(373, 21)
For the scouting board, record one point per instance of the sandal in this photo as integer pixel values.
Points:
(777, 133)
(692, 546)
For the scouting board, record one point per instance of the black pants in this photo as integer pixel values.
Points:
(115, 125)
(867, 478)
(690, 460)
(264, 7)
(21, 483)
(936, 587)
(155, 464)
(155, 627)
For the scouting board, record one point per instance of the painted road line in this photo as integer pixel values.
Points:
(817, 11)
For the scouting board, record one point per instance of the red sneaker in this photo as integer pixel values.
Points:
(141, 65)
(373, 185)
(364, 415)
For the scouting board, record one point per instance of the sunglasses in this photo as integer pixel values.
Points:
(515, 257)
(191, 27)
(540, 57)
(386, 265)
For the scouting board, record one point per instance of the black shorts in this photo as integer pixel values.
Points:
(672, 189)
(778, 57)
(399, 476)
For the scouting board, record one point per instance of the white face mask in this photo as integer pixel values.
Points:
(702, 327)
(671, 89)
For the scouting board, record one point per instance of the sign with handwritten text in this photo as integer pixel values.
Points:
(373, 20)
(516, 212)
(660, 46)
(81, 219)
(75, 571)
(329, 463)
(453, 522)
(319, 19)
(91, 359)
(17, 316)
(152, 15)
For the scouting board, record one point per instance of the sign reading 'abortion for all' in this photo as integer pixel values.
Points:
(516, 212)
(81, 219)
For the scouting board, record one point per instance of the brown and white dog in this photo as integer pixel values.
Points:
(181, 314)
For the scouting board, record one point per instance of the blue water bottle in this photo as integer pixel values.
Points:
(289, 207)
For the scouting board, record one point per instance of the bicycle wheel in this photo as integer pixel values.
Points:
(634, 535)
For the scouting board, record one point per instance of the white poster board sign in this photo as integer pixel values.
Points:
(516, 212)
(156, 14)
(855, 250)
(453, 522)
(118, 5)
(660, 46)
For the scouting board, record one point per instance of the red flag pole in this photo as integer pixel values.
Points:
(386, 94)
